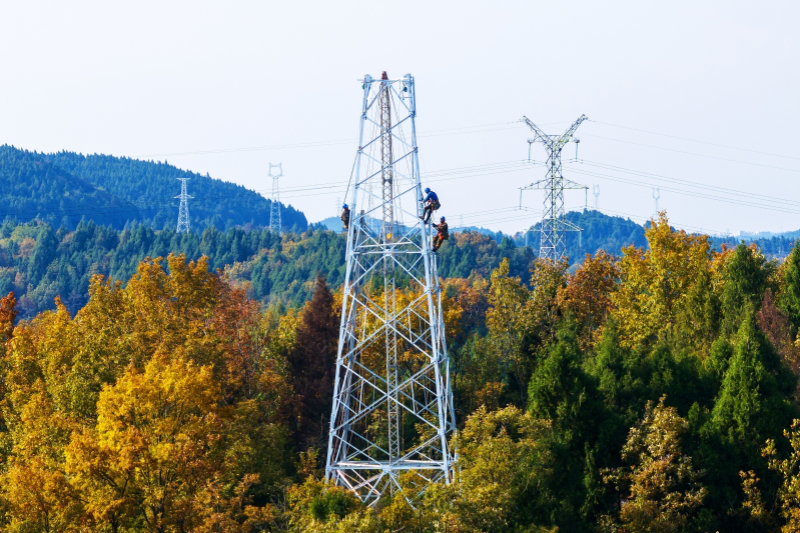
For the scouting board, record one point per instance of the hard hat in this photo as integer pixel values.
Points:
(427, 189)
(442, 219)
(344, 206)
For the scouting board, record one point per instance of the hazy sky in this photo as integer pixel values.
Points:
(246, 83)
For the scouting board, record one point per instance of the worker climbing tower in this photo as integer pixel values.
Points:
(392, 406)
(551, 244)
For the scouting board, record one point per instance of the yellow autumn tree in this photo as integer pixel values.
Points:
(586, 296)
(86, 397)
(160, 441)
(654, 283)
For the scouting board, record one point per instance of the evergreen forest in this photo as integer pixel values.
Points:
(654, 390)
(63, 188)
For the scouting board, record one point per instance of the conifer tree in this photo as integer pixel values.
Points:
(789, 296)
(312, 366)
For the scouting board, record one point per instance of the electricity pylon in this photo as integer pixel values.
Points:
(183, 209)
(392, 406)
(551, 244)
(656, 196)
(275, 208)
(596, 193)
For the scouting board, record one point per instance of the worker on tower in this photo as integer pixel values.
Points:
(345, 217)
(442, 234)
(431, 202)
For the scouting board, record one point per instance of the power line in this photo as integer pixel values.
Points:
(333, 142)
(480, 128)
(697, 141)
(694, 153)
(713, 188)
(690, 193)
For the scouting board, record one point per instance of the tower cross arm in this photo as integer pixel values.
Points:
(566, 225)
(554, 143)
(539, 135)
(541, 184)
(569, 184)
(546, 184)
(571, 130)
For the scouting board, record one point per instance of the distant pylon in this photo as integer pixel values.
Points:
(392, 408)
(183, 209)
(596, 193)
(552, 245)
(656, 196)
(275, 224)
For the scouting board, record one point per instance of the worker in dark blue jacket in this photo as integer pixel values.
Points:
(431, 203)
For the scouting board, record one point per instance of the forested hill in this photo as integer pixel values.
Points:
(39, 262)
(600, 232)
(35, 188)
(65, 187)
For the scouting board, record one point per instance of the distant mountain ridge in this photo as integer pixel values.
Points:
(65, 187)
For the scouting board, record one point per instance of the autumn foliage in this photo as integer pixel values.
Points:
(656, 391)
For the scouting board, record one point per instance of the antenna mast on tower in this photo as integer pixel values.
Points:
(275, 207)
(183, 209)
(392, 407)
(551, 244)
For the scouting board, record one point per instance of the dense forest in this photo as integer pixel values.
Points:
(652, 391)
(599, 232)
(64, 188)
(39, 262)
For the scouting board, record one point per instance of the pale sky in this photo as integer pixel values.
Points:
(159, 79)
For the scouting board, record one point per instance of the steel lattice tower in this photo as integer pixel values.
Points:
(551, 244)
(392, 406)
(183, 209)
(656, 196)
(275, 207)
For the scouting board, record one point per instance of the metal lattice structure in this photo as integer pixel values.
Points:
(183, 208)
(551, 244)
(392, 406)
(656, 196)
(275, 224)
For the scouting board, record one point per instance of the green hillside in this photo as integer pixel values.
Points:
(35, 188)
(65, 187)
(600, 232)
(39, 262)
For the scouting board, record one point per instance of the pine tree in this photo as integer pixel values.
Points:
(312, 365)
(789, 297)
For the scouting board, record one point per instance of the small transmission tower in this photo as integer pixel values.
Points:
(596, 193)
(551, 244)
(183, 209)
(275, 208)
(656, 196)
(392, 407)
